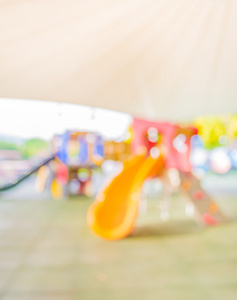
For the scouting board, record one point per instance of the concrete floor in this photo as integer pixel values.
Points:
(47, 252)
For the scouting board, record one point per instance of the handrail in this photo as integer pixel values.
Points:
(24, 176)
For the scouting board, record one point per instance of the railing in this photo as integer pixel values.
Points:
(26, 175)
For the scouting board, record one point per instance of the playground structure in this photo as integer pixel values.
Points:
(157, 148)
(167, 146)
(31, 171)
(78, 154)
(75, 156)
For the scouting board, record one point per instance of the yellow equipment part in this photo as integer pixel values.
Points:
(113, 214)
(56, 190)
(41, 178)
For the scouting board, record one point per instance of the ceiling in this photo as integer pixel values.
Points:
(158, 59)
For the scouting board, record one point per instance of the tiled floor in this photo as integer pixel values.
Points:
(47, 252)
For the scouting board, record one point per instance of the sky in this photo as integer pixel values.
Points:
(42, 119)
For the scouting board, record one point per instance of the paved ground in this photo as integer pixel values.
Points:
(48, 253)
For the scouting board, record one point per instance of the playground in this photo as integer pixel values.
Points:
(48, 252)
(118, 150)
(152, 229)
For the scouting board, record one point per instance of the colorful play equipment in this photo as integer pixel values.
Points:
(78, 155)
(167, 146)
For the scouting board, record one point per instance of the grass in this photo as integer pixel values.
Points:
(48, 252)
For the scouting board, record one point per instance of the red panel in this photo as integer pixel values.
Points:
(173, 158)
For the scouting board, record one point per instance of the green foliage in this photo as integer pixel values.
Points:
(8, 146)
(216, 130)
(27, 149)
(232, 128)
(33, 146)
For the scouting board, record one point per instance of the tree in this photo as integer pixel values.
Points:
(33, 146)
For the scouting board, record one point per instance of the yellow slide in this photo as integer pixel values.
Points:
(113, 214)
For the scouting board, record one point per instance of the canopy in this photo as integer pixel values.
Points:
(163, 59)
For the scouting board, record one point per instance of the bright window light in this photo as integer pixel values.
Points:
(42, 119)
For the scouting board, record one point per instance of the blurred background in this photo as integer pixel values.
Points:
(91, 144)
(55, 158)
(85, 85)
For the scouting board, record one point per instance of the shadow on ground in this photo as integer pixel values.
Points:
(168, 228)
